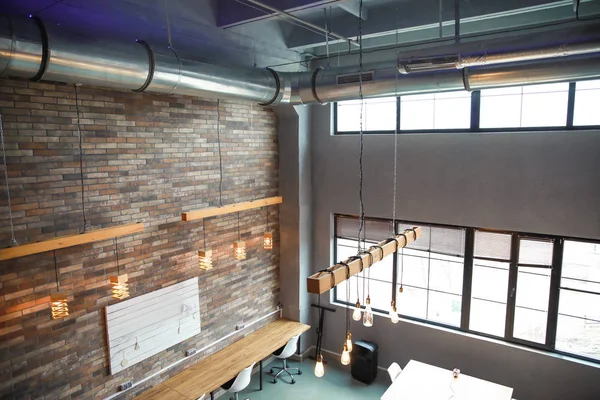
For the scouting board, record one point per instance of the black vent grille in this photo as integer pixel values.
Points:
(355, 78)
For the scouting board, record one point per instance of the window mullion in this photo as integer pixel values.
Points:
(557, 257)
(475, 109)
(511, 296)
(571, 105)
(467, 279)
(398, 113)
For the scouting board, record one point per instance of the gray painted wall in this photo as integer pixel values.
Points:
(543, 182)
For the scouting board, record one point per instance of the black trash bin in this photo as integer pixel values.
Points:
(364, 361)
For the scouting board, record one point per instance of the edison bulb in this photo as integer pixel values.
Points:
(349, 341)
(394, 314)
(368, 314)
(319, 368)
(356, 314)
(345, 355)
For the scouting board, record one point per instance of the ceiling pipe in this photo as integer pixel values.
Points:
(31, 50)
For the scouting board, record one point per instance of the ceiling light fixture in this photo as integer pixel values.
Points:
(205, 255)
(58, 301)
(120, 288)
(239, 246)
(268, 235)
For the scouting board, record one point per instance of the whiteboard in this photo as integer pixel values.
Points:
(143, 326)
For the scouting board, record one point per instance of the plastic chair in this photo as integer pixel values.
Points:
(394, 371)
(240, 382)
(284, 353)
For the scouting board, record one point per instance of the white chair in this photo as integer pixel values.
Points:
(284, 353)
(240, 382)
(394, 371)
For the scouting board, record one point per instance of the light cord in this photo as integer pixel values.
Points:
(55, 269)
(395, 132)
(117, 254)
(239, 231)
(360, 158)
(10, 215)
(85, 223)
(204, 232)
(220, 155)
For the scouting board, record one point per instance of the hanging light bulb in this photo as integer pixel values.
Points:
(239, 250)
(205, 259)
(120, 288)
(357, 311)
(345, 355)
(394, 313)
(349, 341)
(268, 240)
(59, 305)
(368, 314)
(319, 368)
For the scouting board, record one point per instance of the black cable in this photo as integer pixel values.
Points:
(239, 231)
(47, 7)
(117, 254)
(220, 155)
(55, 269)
(204, 232)
(360, 158)
(85, 224)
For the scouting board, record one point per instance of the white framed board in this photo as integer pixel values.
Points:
(143, 326)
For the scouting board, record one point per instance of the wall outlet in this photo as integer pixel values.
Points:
(190, 352)
(239, 327)
(125, 386)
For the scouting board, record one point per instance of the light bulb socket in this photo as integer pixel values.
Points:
(368, 300)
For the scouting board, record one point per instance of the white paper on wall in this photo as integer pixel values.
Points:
(143, 326)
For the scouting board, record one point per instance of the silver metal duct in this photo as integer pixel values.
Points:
(30, 50)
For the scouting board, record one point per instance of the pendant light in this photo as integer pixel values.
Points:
(319, 368)
(58, 301)
(120, 288)
(268, 235)
(368, 314)
(357, 314)
(347, 348)
(205, 255)
(239, 246)
(394, 313)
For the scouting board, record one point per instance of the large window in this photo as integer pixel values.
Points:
(535, 290)
(554, 106)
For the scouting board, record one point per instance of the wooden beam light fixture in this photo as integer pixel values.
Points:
(68, 241)
(205, 255)
(320, 282)
(58, 301)
(230, 208)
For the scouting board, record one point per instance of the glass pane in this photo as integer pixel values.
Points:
(577, 304)
(490, 280)
(446, 276)
(380, 294)
(378, 115)
(450, 110)
(578, 336)
(492, 245)
(412, 302)
(382, 270)
(533, 288)
(536, 252)
(450, 241)
(530, 325)
(526, 106)
(587, 98)
(487, 317)
(581, 260)
(415, 271)
(444, 308)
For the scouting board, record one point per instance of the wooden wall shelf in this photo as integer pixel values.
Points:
(229, 208)
(68, 241)
(322, 281)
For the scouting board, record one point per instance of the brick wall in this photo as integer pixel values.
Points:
(146, 158)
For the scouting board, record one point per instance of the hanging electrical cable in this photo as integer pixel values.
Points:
(393, 311)
(58, 301)
(220, 155)
(356, 315)
(85, 222)
(120, 288)
(205, 255)
(345, 359)
(239, 246)
(13, 239)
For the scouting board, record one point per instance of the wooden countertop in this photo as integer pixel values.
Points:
(210, 373)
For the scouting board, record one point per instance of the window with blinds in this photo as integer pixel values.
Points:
(529, 289)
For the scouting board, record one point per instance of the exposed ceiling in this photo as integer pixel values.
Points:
(242, 32)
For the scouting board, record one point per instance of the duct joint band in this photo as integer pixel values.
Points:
(45, 50)
(278, 93)
(151, 65)
(313, 84)
(180, 70)
(465, 77)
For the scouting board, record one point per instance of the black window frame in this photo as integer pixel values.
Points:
(554, 292)
(475, 120)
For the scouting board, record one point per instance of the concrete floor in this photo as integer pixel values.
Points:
(337, 383)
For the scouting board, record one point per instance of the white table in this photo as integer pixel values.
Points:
(420, 381)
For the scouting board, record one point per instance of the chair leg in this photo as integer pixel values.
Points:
(286, 370)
